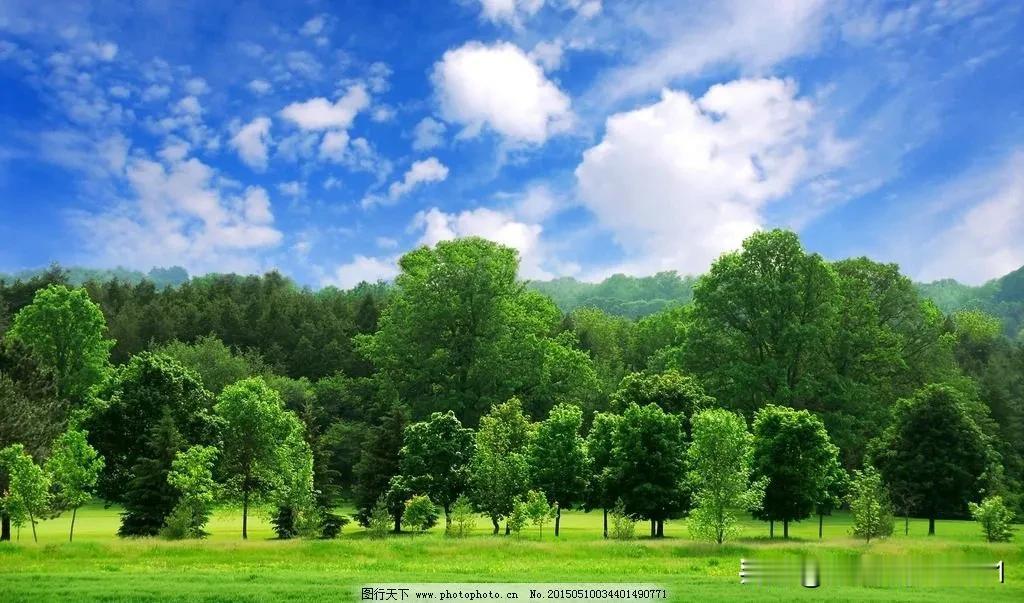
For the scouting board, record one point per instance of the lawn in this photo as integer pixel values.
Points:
(100, 567)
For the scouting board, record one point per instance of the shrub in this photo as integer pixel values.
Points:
(519, 517)
(179, 525)
(623, 525)
(332, 525)
(421, 513)
(380, 520)
(994, 517)
(870, 506)
(463, 518)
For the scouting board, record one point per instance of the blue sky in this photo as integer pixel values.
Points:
(326, 138)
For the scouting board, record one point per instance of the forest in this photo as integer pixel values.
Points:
(778, 384)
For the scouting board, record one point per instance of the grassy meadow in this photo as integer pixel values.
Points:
(98, 566)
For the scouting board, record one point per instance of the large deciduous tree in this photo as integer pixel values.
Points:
(500, 471)
(64, 329)
(435, 459)
(792, 451)
(559, 463)
(672, 390)
(934, 452)
(255, 424)
(648, 459)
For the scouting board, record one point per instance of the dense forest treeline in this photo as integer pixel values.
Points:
(461, 379)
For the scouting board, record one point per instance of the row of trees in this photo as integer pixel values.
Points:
(770, 327)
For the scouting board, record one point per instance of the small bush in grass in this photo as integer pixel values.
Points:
(870, 506)
(463, 518)
(380, 521)
(332, 525)
(538, 510)
(519, 517)
(994, 517)
(421, 513)
(623, 525)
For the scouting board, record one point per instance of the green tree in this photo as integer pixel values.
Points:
(832, 493)
(215, 363)
(538, 510)
(148, 498)
(461, 333)
(648, 459)
(28, 490)
(934, 451)
(255, 424)
(793, 453)
(435, 459)
(673, 391)
(65, 330)
(869, 505)
(135, 399)
(720, 463)
(191, 475)
(379, 461)
(293, 494)
(421, 513)
(623, 524)
(559, 464)
(995, 519)
(761, 322)
(379, 519)
(74, 467)
(500, 471)
(463, 517)
(604, 490)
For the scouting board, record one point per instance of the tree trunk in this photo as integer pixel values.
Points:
(245, 515)
(821, 524)
(906, 525)
(5, 527)
(558, 518)
(771, 528)
(71, 536)
(507, 529)
(447, 520)
(654, 529)
(931, 525)
(494, 521)
(32, 520)
(785, 529)
(661, 528)
(606, 523)
(398, 524)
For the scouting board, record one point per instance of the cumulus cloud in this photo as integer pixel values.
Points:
(500, 87)
(360, 269)
(514, 12)
(333, 145)
(252, 141)
(259, 87)
(180, 214)
(424, 171)
(428, 134)
(314, 26)
(197, 86)
(682, 180)
(321, 114)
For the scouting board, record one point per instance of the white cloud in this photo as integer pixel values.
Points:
(386, 242)
(685, 40)
(155, 92)
(500, 87)
(189, 106)
(514, 12)
(321, 114)
(424, 171)
(293, 189)
(382, 114)
(497, 226)
(259, 87)
(360, 269)
(197, 86)
(252, 141)
(548, 54)
(333, 145)
(428, 134)
(986, 240)
(682, 180)
(180, 215)
(537, 203)
(104, 51)
(314, 26)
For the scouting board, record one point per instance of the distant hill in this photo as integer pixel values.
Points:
(1002, 297)
(77, 275)
(629, 296)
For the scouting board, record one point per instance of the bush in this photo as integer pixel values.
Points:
(519, 517)
(179, 525)
(284, 523)
(380, 521)
(870, 506)
(623, 525)
(332, 525)
(421, 513)
(994, 517)
(463, 518)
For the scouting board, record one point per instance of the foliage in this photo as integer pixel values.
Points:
(869, 505)
(793, 454)
(148, 498)
(64, 329)
(462, 516)
(293, 493)
(620, 295)
(537, 510)
(378, 523)
(623, 525)
(994, 517)
(254, 425)
(719, 462)
(500, 472)
(215, 363)
(28, 489)
(934, 451)
(648, 460)
(518, 518)
(435, 458)
(378, 460)
(74, 467)
(559, 464)
(673, 391)
(32, 414)
(603, 490)
(192, 476)
(421, 513)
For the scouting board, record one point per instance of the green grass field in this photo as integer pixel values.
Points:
(100, 567)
